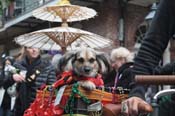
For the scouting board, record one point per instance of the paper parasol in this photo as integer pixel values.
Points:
(65, 38)
(64, 12)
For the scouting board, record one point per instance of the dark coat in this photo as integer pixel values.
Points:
(5, 82)
(124, 79)
(27, 90)
(168, 69)
(155, 42)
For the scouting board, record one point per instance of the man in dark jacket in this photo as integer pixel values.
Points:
(39, 72)
(155, 42)
(5, 81)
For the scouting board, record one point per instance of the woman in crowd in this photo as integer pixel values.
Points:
(39, 72)
(121, 59)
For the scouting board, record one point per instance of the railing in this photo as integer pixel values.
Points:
(19, 8)
(155, 79)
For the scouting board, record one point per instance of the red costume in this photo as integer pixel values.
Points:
(44, 103)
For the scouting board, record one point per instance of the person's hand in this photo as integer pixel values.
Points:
(135, 105)
(18, 78)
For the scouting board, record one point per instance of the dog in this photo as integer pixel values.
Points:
(85, 63)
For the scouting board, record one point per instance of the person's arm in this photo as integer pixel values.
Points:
(167, 69)
(156, 40)
(150, 52)
(51, 76)
(154, 43)
(17, 77)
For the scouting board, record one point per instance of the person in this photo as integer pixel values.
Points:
(166, 102)
(121, 60)
(39, 72)
(167, 69)
(6, 100)
(150, 53)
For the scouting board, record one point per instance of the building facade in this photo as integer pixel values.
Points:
(118, 20)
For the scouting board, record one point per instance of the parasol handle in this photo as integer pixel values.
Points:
(155, 79)
(64, 23)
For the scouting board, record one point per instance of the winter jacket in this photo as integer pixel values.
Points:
(27, 90)
(123, 76)
(5, 82)
(168, 69)
(155, 42)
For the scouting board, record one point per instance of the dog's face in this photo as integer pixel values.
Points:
(85, 63)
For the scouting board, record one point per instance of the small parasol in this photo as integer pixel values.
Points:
(64, 12)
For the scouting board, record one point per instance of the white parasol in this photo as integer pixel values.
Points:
(65, 38)
(64, 12)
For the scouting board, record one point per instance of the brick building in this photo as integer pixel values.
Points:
(107, 23)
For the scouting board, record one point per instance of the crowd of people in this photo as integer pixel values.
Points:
(30, 71)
